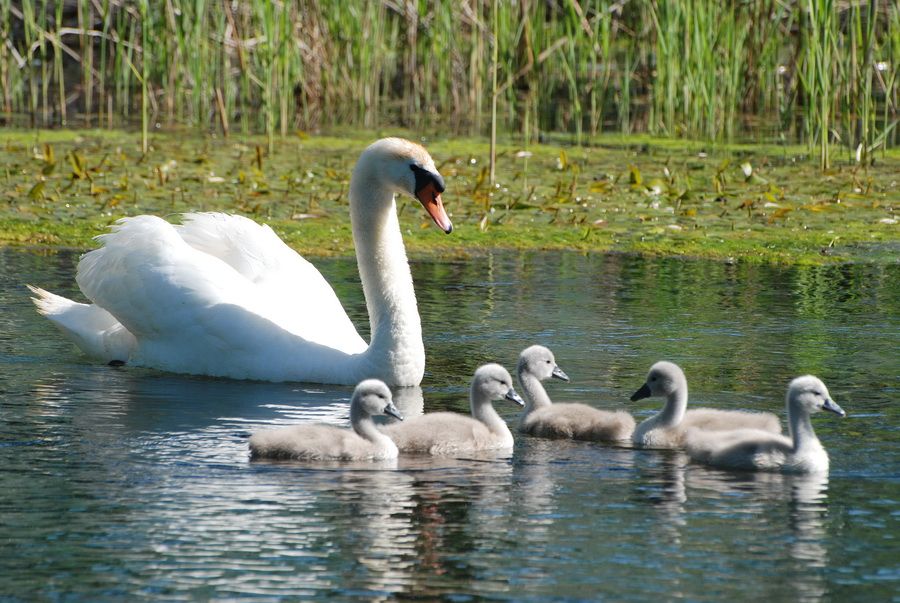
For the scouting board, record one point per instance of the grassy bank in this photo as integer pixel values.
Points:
(635, 194)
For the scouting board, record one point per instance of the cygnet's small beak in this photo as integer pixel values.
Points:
(512, 396)
(642, 393)
(559, 374)
(830, 406)
(430, 198)
(392, 411)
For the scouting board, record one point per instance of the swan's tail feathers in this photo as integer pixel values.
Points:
(94, 330)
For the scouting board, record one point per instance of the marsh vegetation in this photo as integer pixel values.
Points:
(753, 203)
(818, 72)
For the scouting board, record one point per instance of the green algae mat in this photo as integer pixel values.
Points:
(758, 203)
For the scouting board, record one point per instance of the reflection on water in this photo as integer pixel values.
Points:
(132, 484)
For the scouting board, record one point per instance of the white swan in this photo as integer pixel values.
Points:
(666, 429)
(444, 433)
(759, 450)
(572, 421)
(327, 442)
(221, 295)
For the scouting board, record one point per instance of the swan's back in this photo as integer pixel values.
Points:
(747, 449)
(714, 419)
(440, 433)
(650, 434)
(315, 443)
(578, 422)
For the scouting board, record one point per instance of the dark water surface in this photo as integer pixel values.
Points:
(129, 484)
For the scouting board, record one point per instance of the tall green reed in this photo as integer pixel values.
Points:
(817, 70)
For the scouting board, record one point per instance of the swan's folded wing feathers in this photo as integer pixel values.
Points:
(294, 289)
(159, 287)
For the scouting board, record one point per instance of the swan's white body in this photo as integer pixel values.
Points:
(543, 418)
(757, 450)
(220, 295)
(327, 442)
(447, 433)
(667, 428)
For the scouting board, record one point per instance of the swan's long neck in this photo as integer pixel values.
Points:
(396, 351)
(483, 410)
(801, 429)
(364, 425)
(676, 405)
(533, 391)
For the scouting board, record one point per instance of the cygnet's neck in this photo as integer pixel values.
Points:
(801, 429)
(364, 425)
(676, 405)
(533, 391)
(396, 347)
(483, 410)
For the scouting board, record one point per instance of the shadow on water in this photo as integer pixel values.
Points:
(130, 483)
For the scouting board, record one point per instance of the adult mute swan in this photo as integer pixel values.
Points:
(327, 442)
(573, 421)
(445, 433)
(758, 450)
(221, 295)
(666, 429)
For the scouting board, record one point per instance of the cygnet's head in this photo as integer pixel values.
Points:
(492, 382)
(372, 397)
(407, 169)
(539, 361)
(664, 379)
(810, 394)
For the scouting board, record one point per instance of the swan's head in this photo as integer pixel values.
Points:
(406, 168)
(492, 382)
(539, 361)
(810, 394)
(372, 397)
(664, 379)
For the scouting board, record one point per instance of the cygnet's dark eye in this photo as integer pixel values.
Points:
(549, 362)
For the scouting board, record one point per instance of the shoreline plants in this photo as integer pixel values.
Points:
(819, 72)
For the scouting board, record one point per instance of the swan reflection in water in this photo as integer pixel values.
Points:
(771, 501)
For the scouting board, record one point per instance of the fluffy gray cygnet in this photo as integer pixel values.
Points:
(666, 429)
(327, 442)
(757, 450)
(448, 433)
(574, 421)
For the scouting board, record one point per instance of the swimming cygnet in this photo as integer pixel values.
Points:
(758, 450)
(572, 421)
(442, 433)
(326, 442)
(666, 429)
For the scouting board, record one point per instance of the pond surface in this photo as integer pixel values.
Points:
(131, 484)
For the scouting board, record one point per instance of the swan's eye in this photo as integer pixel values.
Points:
(425, 177)
(548, 362)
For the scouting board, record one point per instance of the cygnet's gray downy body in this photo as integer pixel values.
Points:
(757, 450)
(666, 429)
(447, 433)
(327, 442)
(572, 421)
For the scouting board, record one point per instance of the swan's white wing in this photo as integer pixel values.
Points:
(162, 289)
(298, 296)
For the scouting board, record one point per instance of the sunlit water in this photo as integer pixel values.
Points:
(131, 484)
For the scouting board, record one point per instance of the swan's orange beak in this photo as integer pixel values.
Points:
(430, 198)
